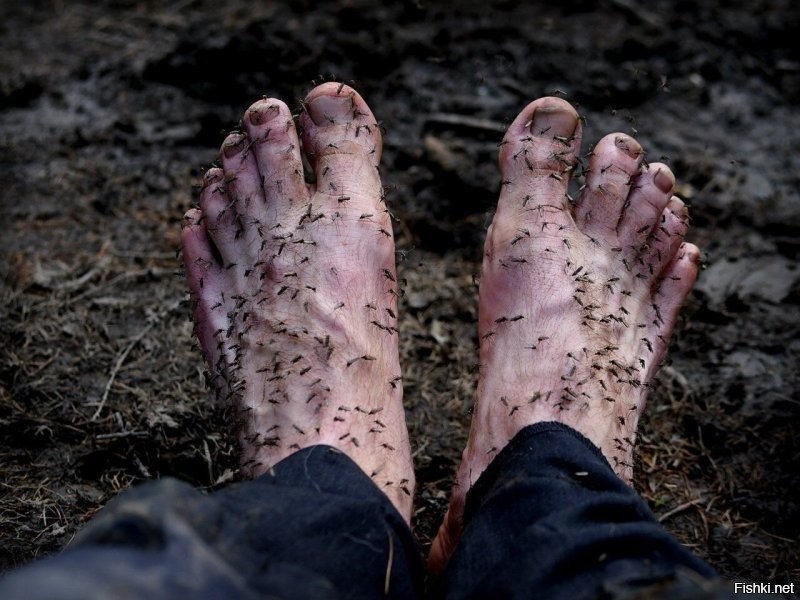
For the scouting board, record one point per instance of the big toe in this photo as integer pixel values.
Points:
(342, 141)
(537, 156)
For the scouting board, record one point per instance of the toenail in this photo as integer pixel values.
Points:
(329, 110)
(263, 112)
(212, 175)
(233, 145)
(629, 146)
(554, 121)
(664, 180)
(694, 255)
(676, 204)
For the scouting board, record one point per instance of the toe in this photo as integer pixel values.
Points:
(276, 149)
(203, 271)
(650, 192)
(613, 167)
(679, 277)
(199, 255)
(677, 281)
(219, 215)
(342, 142)
(537, 156)
(665, 239)
(246, 211)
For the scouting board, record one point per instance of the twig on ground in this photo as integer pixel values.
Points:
(679, 509)
(124, 354)
(120, 359)
(120, 434)
(465, 122)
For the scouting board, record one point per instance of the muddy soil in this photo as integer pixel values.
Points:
(111, 111)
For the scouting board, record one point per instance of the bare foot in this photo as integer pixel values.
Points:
(296, 298)
(577, 301)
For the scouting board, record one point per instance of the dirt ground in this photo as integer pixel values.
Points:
(111, 111)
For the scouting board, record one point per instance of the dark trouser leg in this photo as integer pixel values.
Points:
(315, 527)
(550, 519)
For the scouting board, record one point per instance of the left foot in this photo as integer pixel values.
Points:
(296, 292)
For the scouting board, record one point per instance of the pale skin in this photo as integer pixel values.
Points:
(296, 292)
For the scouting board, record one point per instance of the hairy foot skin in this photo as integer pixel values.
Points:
(295, 289)
(577, 299)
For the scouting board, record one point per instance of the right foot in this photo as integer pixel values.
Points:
(577, 302)
(295, 289)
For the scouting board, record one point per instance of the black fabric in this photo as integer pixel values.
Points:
(548, 519)
(314, 527)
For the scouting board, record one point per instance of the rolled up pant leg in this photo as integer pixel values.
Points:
(550, 519)
(314, 527)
